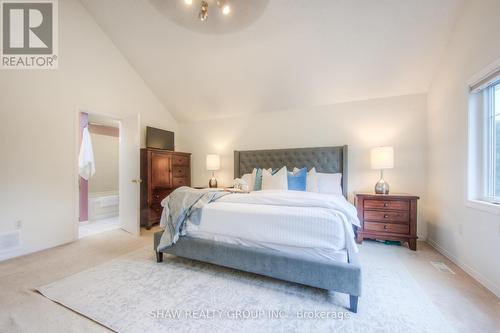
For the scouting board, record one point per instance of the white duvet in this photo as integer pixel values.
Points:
(314, 224)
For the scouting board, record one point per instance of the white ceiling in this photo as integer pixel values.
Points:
(286, 54)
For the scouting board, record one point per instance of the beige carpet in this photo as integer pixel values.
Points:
(135, 294)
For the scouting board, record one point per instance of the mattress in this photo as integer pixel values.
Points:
(308, 232)
(310, 253)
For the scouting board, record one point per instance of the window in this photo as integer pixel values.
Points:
(484, 139)
(492, 109)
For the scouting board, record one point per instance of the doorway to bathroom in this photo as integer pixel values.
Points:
(98, 163)
(108, 174)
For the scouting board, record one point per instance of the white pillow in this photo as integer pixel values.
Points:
(311, 180)
(247, 177)
(329, 183)
(278, 181)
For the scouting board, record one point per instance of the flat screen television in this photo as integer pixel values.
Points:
(159, 139)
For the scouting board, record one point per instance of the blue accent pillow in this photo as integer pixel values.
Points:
(257, 186)
(297, 181)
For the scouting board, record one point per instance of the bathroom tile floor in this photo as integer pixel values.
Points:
(96, 227)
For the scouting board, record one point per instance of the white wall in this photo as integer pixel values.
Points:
(398, 121)
(38, 126)
(468, 236)
(105, 149)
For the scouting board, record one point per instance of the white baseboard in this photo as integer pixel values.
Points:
(469, 270)
(22, 251)
(11, 254)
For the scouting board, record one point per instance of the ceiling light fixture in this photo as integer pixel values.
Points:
(203, 11)
(223, 5)
(226, 10)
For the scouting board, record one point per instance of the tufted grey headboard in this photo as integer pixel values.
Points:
(324, 159)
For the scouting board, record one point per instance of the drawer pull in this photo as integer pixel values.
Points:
(385, 226)
(386, 204)
(386, 216)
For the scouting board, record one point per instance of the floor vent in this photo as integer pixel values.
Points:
(10, 241)
(442, 267)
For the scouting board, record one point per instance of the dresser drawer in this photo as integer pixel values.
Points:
(387, 216)
(179, 171)
(387, 204)
(180, 160)
(387, 227)
(158, 194)
(180, 181)
(156, 209)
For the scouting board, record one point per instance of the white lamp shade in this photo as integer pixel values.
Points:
(382, 158)
(213, 162)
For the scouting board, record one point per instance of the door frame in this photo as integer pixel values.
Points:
(76, 125)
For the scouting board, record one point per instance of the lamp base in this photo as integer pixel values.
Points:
(212, 183)
(382, 187)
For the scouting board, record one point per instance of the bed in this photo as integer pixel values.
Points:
(324, 256)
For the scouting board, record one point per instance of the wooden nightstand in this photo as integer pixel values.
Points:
(388, 217)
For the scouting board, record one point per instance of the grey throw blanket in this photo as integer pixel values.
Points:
(183, 203)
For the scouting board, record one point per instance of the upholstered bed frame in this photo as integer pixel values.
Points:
(335, 276)
(324, 159)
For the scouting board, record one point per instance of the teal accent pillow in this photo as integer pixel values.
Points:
(258, 180)
(297, 181)
(257, 186)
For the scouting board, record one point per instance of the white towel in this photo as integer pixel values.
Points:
(86, 162)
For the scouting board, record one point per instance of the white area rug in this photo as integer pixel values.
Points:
(135, 294)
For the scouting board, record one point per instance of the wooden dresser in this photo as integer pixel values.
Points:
(387, 217)
(162, 171)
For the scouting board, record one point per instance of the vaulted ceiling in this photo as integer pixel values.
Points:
(278, 54)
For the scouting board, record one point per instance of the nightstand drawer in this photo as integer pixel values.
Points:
(387, 204)
(387, 216)
(387, 227)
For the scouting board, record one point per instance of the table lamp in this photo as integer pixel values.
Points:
(213, 164)
(382, 158)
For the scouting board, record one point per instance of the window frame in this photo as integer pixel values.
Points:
(489, 144)
(479, 141)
